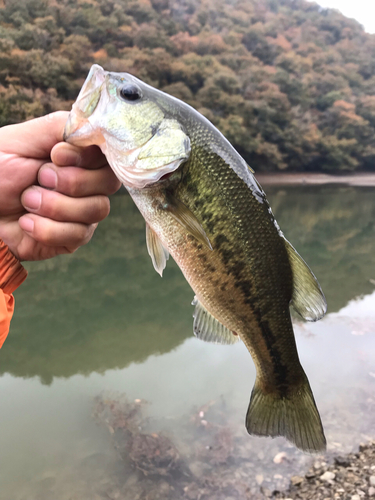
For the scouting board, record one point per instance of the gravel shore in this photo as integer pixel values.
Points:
(350, 477)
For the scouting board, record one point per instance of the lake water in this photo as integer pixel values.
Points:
(102, 323)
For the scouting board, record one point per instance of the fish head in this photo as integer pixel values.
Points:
(142, 140)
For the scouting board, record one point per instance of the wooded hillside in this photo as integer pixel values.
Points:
(290, 84)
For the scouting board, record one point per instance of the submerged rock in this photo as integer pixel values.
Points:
(213, 462)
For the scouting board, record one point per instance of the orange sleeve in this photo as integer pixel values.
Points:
(12, 274)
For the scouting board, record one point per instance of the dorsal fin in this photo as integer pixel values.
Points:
(209, 329)
(159, 255)
(308, 298)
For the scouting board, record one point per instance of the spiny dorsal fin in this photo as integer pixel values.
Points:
(308, 298)
(188, 220)
(208, 328)
(159, 255)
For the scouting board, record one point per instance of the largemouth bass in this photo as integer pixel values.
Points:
(203, 205)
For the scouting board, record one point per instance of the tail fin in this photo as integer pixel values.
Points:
(295, 417)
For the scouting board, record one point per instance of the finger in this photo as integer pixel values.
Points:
(59, 207)
(36, 137)
(64, 154)
(56, 234)
(78, 182)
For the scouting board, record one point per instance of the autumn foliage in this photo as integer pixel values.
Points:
(290, 84)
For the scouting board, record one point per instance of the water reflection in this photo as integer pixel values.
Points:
(102, 319)
(334, 230)
(50, 447)
(105, 307)
(98, 309)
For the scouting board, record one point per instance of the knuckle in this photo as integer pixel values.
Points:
(70, 249)
(84, 233)
(55, 116)
(104, 207)
(97, 209)
(44, 233)
(50, 210)
(75, 236)
(50, 117)
(88, 232)
(73, 185)
(114, 186)
(112, 183)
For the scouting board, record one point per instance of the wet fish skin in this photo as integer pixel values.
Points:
(239, 266)
(248, 294)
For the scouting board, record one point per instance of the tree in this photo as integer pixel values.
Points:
(291, 84)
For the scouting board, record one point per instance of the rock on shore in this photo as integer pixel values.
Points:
(350, 477)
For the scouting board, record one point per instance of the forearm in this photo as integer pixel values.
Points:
(12, 274)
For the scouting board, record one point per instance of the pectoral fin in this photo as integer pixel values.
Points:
(209, 329)
(188, 220)
(308, 298)
(159, 255)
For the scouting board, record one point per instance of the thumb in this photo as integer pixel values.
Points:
(34, 138)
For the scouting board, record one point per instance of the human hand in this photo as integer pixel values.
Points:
(38, 223)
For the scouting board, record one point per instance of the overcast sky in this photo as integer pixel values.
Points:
(361, 10)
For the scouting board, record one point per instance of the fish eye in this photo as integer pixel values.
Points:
(130, 92)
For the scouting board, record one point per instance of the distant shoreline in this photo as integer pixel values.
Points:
(304, 179)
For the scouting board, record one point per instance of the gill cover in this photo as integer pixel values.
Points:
(119, 113)
(159, 156)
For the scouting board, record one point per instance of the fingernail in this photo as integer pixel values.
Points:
(27, 224)
(48, 178)
(32, 199)
(72, 159)
(64, 156)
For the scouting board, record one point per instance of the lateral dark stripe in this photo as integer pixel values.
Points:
(280, 369)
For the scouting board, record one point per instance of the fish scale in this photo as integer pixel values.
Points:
(255, 302)
(247, 276)
(204, 207)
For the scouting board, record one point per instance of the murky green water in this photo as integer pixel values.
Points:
(103, 320)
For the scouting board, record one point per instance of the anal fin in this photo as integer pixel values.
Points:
(209, 329)
(159, 255)
(308, 298)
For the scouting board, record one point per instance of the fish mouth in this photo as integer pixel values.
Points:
(78, 129)
(81, 133)
(96, 91)
(94, 80)
(72, 125)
